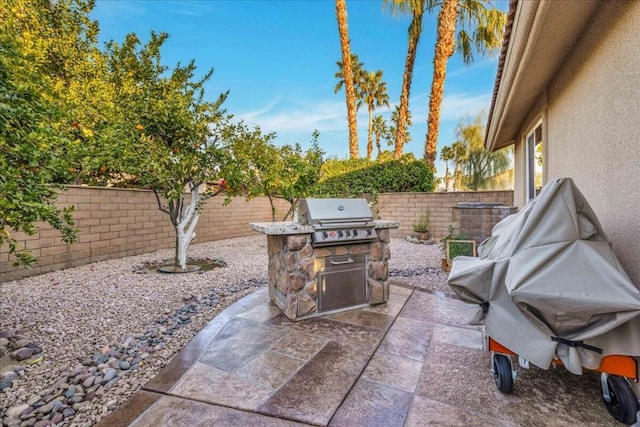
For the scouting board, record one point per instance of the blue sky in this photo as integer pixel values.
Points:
(278, 60)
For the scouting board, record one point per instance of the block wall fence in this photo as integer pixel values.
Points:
(407, 208)
(115, 223)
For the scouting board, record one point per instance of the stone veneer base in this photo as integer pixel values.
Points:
(293, 272)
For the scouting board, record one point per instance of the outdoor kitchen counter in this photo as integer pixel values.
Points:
(290, 227)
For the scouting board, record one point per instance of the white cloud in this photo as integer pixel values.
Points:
(303, 116)
(456, 106)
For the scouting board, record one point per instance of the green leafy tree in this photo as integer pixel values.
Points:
(172, 140)
(416, 9)
(28, 136)
(373, 93)
(459, 157)
(60, 42)
(467, 26)
(263, 169)
(480, 166)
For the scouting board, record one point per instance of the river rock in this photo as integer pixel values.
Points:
(21, 343)
(15, 411)
(5, 333)
(22, 354)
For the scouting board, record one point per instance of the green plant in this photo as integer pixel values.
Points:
(356, 177)
(421, 225)
(456, 244)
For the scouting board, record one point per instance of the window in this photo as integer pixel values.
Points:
(534, 162)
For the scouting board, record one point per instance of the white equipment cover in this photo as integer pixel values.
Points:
(549, 284)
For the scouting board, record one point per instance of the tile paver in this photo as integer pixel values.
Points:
(414, 361)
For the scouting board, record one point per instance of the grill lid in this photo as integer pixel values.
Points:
(331, 212)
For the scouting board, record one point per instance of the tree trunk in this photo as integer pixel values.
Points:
(341, 14)
(415, 30)
(445, 47)
(185, 230)
(370, 135)
(447, 179)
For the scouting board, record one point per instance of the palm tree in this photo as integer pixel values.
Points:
(380, 129)
(373, 93)
(446, 154)
(393, 129)
(357, 70)
(416, 9)
(343, 30)
(459, 157)
(472, 27)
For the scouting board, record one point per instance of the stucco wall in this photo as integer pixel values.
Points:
(592, 126)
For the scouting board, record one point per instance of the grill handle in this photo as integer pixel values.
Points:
(346, 261)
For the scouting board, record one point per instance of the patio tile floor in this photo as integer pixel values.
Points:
(413, 361)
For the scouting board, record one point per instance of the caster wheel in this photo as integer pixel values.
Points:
(622, 403)
(502, 373)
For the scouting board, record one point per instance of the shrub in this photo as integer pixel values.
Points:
(358, 177)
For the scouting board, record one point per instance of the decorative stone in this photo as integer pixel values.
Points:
(28, 413)
(6, 383)
(16, 411)
(57, 418)
(359, 249)
(275, 244)
(21, 343)
(376, 291)
(307, 251)
(289, 261)
(295, 282)
(375, 254)
(70, 392)
(109, 375)
(383, 235)
(4, 342)
(306, 304)
(5, 333)
(22, 354)
(386, 252)
(378, 270)
(339, 250)
(295, 243)
(322, 252)
(46, 408)
(124, 365)
(307, 266)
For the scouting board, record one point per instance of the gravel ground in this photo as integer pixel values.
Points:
(96, 333)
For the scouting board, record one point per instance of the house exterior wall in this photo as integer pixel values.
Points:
(592, 129)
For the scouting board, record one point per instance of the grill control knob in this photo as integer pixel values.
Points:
(347, 233)
(340, 233)
(325, 234)
(355, 232)
(368, 232)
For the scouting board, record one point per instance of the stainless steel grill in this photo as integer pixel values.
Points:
(337, 221)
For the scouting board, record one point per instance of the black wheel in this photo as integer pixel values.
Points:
(502, 373)
(623, 403)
